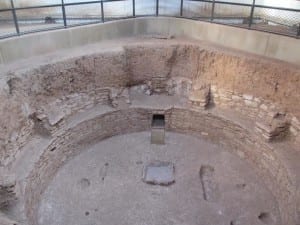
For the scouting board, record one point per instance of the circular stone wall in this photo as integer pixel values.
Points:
(103, 185)
(53, 110)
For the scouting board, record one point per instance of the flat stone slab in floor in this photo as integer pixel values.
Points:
(159, 173)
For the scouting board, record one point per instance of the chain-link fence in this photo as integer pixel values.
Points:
(197, 10)
(21, 17)
(277, 20)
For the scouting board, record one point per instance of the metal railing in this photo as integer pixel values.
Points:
(279, 20)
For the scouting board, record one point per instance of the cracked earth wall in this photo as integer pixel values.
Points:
(39, 101)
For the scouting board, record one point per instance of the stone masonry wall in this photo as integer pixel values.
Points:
(75, 140)
(231, 136)
(37, 101)
(246, 145)
(81, 82)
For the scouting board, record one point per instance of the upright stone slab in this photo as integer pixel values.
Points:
(158, 129)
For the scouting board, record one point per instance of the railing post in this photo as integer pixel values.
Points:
(298, 31)
(102, 11)
(157, 7)
(212, 11)
(15, 16)
(251, 14)
(64, 12)
(133, 8)
(181, 8)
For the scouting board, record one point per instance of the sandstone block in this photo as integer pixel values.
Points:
(272, 129)
(200, 97)
(252, 104)
(248, 97)
(159, 173)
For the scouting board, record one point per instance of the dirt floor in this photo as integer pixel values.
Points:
(103, 185)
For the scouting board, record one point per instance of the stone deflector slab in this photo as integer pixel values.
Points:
(159, 173)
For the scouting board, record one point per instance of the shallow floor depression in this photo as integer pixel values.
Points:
(105, 184)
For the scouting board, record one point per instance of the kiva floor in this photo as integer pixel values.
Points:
(104, 186)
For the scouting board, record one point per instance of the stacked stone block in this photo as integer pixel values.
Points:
(275, 128)
(199, 98)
